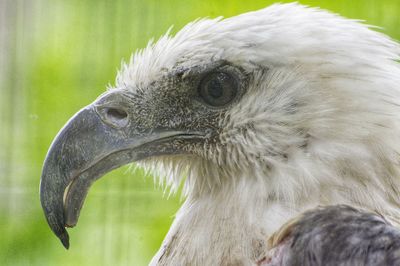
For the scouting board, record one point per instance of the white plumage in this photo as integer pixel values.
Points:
(322, 127)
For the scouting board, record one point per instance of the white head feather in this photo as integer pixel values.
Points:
(320, 124)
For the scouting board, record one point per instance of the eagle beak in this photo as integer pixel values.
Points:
(90, 145)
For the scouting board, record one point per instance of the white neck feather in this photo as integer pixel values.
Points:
(231, 226)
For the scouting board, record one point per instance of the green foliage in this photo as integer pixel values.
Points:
(58, 56)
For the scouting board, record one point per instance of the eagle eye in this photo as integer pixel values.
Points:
(218, 88)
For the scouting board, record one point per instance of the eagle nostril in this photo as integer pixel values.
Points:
(117, 117)
(116, 113)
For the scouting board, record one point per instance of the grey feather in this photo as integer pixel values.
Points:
(338, 235)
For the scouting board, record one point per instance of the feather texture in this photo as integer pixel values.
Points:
(319, 124)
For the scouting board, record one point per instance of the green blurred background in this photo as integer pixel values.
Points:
(56, 57)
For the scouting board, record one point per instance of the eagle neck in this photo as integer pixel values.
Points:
(227, 227)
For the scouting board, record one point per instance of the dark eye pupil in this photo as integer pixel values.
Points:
(215, 88)
(218, 88)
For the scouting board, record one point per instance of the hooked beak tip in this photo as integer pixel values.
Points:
(64, 237)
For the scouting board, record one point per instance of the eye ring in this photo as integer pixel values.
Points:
(218, 88)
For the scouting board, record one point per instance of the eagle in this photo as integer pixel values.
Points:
(282, 125)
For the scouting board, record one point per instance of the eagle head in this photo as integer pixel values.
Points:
(259, 115)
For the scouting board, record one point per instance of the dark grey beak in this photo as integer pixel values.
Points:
(72, 165)
(94, 142)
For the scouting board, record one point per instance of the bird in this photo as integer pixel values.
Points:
(261, 117)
